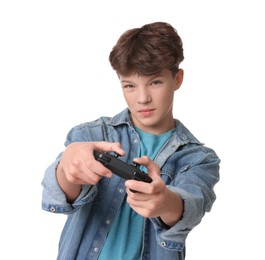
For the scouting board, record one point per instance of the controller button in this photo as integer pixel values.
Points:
(116, 155)
(135, 164)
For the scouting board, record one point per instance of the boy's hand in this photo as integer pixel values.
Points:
(79, 166)
(154, 199)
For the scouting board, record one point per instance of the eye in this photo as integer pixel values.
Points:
(156, 82)
(128, 86)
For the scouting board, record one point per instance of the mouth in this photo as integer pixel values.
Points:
(146, 111)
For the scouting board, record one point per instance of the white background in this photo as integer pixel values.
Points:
(54, 74)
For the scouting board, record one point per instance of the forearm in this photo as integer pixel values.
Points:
(71, 190)
(173, 210)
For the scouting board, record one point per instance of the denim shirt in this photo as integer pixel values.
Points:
(188, 168)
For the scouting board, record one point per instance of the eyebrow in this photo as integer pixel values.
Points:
(126, 81)
(152, 77)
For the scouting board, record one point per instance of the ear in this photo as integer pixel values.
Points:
(179, 78)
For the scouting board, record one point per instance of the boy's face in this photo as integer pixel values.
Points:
(150, 99)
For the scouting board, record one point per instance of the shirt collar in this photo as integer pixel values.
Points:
(183, 135)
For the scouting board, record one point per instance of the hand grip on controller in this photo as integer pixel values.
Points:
(121, 168)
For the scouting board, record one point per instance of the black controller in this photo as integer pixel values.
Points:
(120, 168)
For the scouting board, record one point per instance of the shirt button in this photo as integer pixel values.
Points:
(52, 209)
(163, 244)
(135, 140)
(108, 221)
(96, 249)
(121, 190)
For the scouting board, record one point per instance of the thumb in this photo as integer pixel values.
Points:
(153, 168)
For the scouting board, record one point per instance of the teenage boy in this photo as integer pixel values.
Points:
(107, 219)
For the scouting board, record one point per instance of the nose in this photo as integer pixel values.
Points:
(144, 96)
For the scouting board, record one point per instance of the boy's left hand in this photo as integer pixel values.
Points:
(154, 199)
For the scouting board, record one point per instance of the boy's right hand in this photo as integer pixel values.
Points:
(78, 166)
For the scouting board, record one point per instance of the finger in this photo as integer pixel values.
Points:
(138, 186)
(92, 178)
(78, 173)
(97, 168)
(110, 147)
(137, 195)
(153, 169)
(83, 171)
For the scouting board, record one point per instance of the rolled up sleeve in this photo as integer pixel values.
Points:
(54, 199)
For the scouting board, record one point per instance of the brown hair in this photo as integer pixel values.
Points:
(147, 50)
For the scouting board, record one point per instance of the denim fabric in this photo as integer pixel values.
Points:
(187, 167)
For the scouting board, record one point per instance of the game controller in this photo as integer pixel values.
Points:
(121, 168)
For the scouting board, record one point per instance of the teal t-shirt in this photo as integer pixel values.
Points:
(124, 240)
